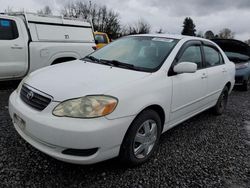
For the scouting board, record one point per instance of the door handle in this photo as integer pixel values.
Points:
(224, 70)
(16, 47)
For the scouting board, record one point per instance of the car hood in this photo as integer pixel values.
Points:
(80, 78)
(232, 45)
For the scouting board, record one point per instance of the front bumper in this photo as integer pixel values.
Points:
(52, 135)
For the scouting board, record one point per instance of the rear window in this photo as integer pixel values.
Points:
(101, 38)
(8, 29)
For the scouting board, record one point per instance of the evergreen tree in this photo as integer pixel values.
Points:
(188, 27)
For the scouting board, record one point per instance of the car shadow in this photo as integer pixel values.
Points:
(9, 85)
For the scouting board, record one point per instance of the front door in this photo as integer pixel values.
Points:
(13, 50)
(189, 89)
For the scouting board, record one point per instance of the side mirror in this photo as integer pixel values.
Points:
(185, 67)
(96, 42)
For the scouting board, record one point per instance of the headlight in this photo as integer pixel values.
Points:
(86, 107)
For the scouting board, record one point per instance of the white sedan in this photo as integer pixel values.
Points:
(119, 100)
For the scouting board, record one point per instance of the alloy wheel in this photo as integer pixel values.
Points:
(145, 139)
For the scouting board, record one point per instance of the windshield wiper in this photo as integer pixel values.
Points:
(113, 63)
(117, 63)
(92, 58)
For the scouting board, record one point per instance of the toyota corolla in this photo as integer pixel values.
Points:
(117, 101)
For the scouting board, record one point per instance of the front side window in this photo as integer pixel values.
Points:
(8, 29)
(212, 57)
(192, 54)
(140, 52)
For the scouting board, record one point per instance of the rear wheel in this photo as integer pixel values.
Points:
(221, 104)
(142, 138)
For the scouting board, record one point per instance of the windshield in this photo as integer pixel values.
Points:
(136, 52)
(237, 57)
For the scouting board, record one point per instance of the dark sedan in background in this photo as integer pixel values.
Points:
(239, 53)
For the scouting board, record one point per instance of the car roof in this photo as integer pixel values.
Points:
(173, 36)
(99, 33)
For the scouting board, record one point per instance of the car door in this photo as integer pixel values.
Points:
(216, 71)
(13, 50)
(189, 89)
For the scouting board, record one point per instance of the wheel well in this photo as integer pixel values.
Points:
(62, 59)
(228, 85)
(160, 112)
(158, 109)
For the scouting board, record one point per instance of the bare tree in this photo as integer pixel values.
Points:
(160, 31)
(248, 42)
(226, 34)
(103, 19)
(139, 27)
(8, 9)
(45, 11)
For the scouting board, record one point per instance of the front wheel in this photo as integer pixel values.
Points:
(141, 139)
(221, 104)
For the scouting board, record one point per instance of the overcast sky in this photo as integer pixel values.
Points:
(166, 14)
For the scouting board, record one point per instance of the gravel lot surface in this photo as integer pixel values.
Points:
(206, 151)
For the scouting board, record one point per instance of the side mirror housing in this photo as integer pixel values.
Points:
(185, 67)
(96, 42)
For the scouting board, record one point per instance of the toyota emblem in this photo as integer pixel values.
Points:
(30, 95)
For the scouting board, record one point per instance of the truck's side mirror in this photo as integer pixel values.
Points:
(96, 42)
(185, 67)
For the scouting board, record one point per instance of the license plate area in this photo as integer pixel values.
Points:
(19, 122)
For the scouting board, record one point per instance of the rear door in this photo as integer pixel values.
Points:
(216, 71)
(13, 50)
(189, 89)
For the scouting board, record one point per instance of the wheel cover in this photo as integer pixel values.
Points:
(145, 139)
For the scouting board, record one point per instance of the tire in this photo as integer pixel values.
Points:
(245, 86)
(221, 104)
(141, 139)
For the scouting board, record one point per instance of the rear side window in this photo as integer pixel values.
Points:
(212, 57)
(8, 29)
(192, 54)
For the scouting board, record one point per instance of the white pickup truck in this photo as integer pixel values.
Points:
(30, 41)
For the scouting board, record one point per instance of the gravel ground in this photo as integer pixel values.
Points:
(205, 151)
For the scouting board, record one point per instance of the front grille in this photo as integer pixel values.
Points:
(32, 98)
